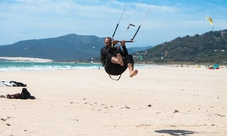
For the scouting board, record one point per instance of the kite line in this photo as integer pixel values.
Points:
(130, 23)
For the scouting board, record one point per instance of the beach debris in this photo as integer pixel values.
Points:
(149, 105)
(219, 115)
(2, 96)
(3, 119)
(176, 111)
(8, 124)
(127, 107)
(144, 125)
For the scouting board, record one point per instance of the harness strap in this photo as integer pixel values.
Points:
(115, 79)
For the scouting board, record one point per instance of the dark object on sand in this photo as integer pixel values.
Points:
(18, 84)
(25, 94)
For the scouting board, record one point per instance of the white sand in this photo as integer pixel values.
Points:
(158, 101)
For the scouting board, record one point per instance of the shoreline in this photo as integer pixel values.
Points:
(25, 59)
(177, 64)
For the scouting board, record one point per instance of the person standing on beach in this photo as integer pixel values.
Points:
(116, 61)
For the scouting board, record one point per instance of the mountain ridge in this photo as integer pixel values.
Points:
(66, 47)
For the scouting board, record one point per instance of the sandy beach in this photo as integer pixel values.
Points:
(157, 102)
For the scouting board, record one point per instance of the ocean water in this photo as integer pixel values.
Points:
(35, 66)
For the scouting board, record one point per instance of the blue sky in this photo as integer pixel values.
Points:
(166, 20)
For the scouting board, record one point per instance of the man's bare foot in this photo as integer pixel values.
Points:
(135, 72)
(119, 58)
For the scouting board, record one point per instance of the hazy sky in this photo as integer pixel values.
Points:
(166, 20)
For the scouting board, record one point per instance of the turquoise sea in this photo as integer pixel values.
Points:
(35, 66)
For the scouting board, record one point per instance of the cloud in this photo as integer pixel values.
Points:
(31, 19)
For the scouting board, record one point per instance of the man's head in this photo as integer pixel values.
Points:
(107, 41)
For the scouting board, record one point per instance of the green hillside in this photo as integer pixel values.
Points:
(210, 47)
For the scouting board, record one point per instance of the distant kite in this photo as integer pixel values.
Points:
(210, 19)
